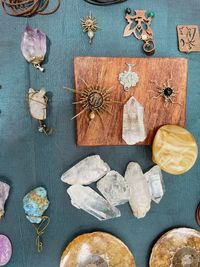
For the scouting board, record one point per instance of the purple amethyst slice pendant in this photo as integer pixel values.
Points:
(4, 193)
(34, 46)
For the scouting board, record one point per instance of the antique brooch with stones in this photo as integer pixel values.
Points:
(94, 99)
(38, 103)
(128, 78)
(140, 26)
(89, 25)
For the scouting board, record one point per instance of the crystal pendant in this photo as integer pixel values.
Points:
(33, 46)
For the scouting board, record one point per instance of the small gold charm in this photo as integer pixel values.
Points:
(89, 25)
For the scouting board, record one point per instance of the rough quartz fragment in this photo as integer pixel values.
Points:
(114, 188)
(37, 104)
(4, 193)
(140, 198)
(156, 184)
(87, 171)
(133, 122)
(88, 200)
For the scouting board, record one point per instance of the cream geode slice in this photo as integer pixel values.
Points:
(87, 171)
(140, 198)
(85, 198)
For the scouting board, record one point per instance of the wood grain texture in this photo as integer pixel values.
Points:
(105, 71)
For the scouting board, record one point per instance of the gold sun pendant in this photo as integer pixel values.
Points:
(89, 25)
(95, 100)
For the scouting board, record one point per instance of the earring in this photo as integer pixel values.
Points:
(142, 30)
(89, 25)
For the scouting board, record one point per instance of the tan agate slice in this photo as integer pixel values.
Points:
(174, 149)
(177, 248)
(97, 249)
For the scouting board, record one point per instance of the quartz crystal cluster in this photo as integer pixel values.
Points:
(136, 188)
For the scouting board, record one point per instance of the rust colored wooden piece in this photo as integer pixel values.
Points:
(188, 38)
(105, 72)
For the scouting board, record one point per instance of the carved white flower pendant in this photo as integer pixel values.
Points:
(128, 78)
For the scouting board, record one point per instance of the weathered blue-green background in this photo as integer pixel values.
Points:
(29, 159)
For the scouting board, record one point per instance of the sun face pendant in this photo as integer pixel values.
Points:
(95, 100)
(89, 25)
(128, 78)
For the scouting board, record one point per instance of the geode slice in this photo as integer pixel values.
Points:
(87, 199)
(177, 248)
(4, 193)
(87, 171)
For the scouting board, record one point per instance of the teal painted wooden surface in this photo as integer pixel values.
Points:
(28, 159)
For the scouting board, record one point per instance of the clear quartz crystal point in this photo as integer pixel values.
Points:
(87, 171)
(140, 198)
(133, 122)
(34, 46)
(114, 188)
(85, 198)
(156, 184)
(4, 193)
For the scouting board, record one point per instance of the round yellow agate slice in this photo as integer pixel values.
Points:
(174, 149)
(177, 248)
(97, 249)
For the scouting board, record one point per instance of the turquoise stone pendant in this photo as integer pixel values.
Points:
(35, 203)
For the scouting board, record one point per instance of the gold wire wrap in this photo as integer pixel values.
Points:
(40, 231)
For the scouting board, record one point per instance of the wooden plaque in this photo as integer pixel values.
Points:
(104, 71)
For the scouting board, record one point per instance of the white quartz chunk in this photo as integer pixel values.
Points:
(85, 198)
(4, 193)
(87, 171)
(37, 104)
(114, 188)
(140, 198)
(133, 122)
(156, 184)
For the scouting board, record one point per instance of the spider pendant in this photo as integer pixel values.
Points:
(166, 91)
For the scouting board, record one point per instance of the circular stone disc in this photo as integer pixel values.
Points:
(97, 249)
(174, 149)
(177, 248)
(5, 250)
